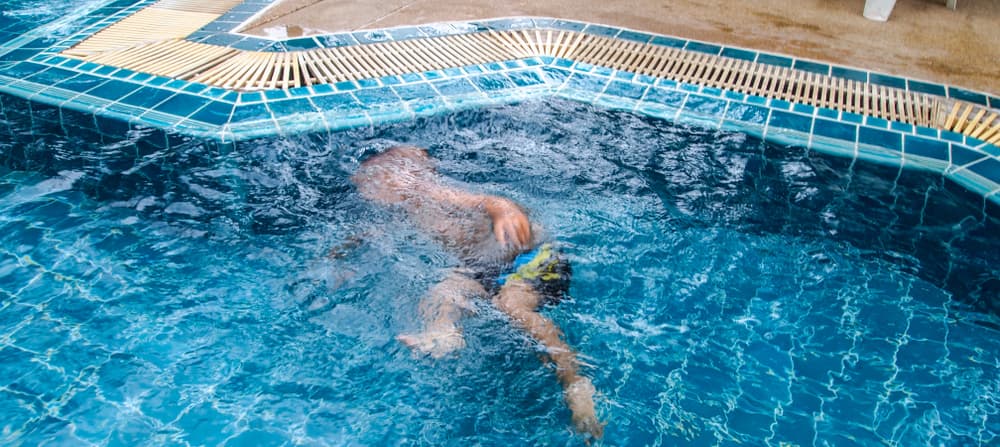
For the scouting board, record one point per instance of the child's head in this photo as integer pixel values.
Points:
(391, 175)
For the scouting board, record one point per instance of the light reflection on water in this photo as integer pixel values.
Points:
(724, 290)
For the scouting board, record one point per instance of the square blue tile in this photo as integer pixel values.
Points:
(643, 79)
(901, 127)
(961, 156)
(275, 94)
(51, 76)
(780, 104)
(141, 77)
(836, 130)
(804, 109)
(664, 103)
(771, 59)
(147, 97)
(181, 104)
(411, 77)
(491, 82)
(790, 121)
(250, 113)
(701, 47)
(925, 147)
(876, 122)
(625, 75)
(849, 73)
(759, 100)
(336, 101)
(828, 113)
(80, 83)
(811, 67)
(625, 90)
(390, 80)
(711, 91)
(747, 113)
(569, 25)
(988, 168)
(290, 107)
(215, 113)
(105, 70)
(668, 42)
(113, 90)
(927, 132)
(410, 92)
(852, 117)
(886, 80)
(966, 95)
(925, 87)
(367, 83)
(455, 87)
(345, 86)
(705, 106)
(303, 43)
(880, 138)
(376, 96)
(737, 53)
(24, 69)
(601, 30)
(735, 96)
(952, 136)
(635, 36)
(594, 84)
(602, 71)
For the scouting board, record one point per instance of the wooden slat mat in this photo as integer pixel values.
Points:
(163, 20)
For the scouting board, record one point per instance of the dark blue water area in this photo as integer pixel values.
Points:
(725, 291)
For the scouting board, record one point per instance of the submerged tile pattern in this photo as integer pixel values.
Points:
(31, 67)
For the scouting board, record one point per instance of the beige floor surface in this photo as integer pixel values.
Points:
(922, 39)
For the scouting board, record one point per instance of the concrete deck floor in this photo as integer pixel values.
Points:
(923, 39)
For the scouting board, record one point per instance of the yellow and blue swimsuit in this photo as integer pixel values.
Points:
(543, 267)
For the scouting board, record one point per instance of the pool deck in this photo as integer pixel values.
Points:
(922, 39)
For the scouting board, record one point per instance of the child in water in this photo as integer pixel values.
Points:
(503, 255)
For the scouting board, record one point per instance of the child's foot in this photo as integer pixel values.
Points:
(580, 400)
(437, 344)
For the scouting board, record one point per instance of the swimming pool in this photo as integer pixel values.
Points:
(725, 290)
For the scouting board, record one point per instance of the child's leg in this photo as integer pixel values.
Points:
(441, 309)
(520, 301)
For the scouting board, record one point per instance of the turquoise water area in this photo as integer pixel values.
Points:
(20, 16)
(725, 291)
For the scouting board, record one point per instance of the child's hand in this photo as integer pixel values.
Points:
(510, 223)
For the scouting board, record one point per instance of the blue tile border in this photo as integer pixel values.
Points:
(113, 95)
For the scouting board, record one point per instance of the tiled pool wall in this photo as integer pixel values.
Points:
(109, 103)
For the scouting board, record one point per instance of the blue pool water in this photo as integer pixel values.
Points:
(725, 291)
(20, 16)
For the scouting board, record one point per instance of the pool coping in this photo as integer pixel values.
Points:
(32, 68)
